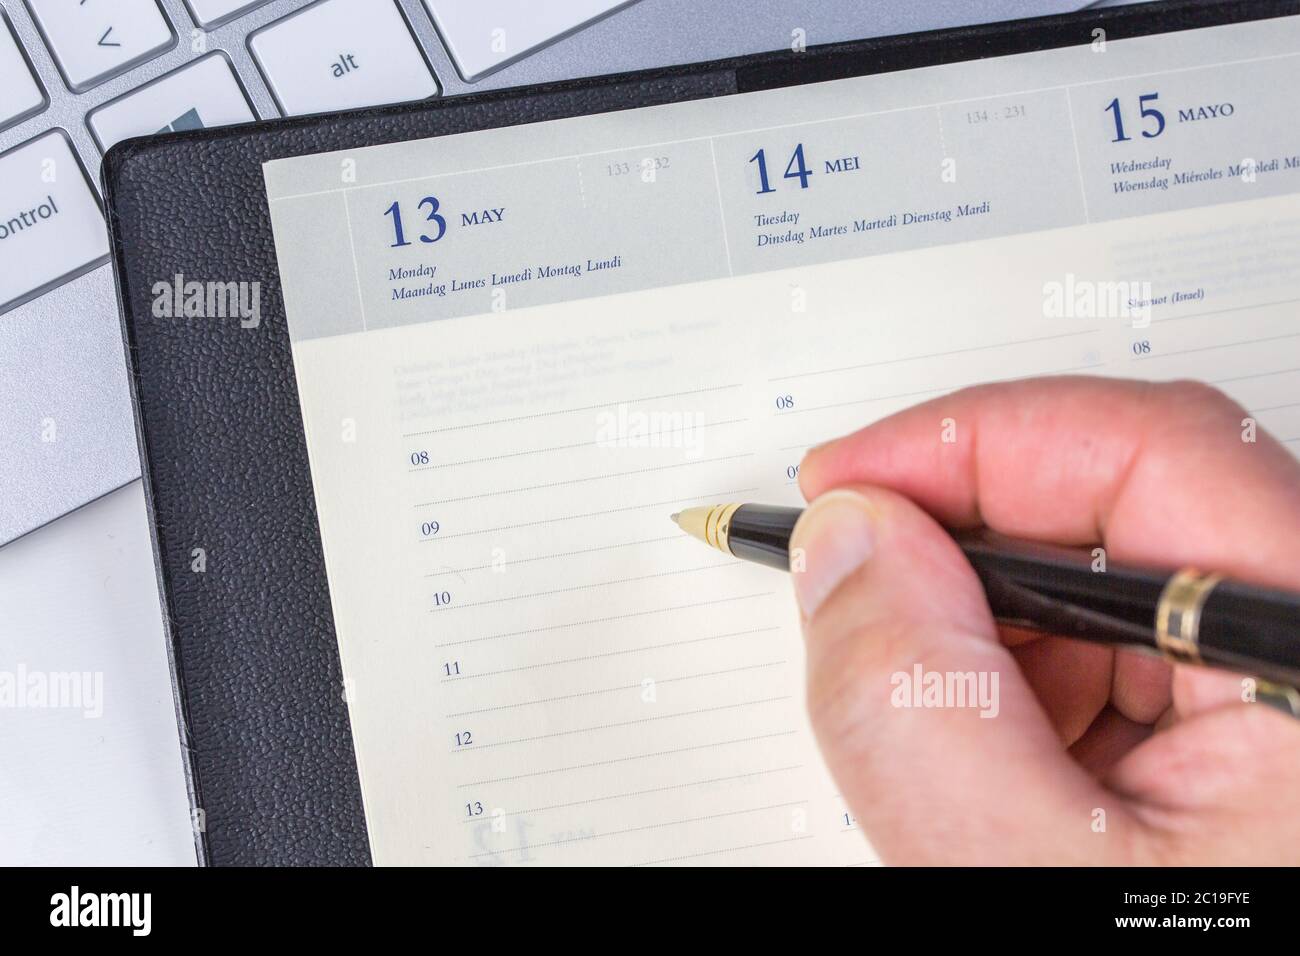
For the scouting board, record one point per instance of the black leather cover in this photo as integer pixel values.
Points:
(254, 656)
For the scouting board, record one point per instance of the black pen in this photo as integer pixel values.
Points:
(1187, 615)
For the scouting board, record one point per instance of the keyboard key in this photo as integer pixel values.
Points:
(204, 93)
(93, 40)
(342, 54)
(50, 224)
(20, 94)
(483, 37)
(210, 13)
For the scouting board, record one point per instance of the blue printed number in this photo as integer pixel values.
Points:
(763, 185)
(399, 234)
(1148, 113)
(795, 169)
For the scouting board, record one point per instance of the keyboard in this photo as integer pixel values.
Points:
(310, 57)
(78, 76)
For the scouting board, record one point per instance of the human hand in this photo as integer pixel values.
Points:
(1095, 756)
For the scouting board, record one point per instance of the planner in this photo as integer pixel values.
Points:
(518, 350)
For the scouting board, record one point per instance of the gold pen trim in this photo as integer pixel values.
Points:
(1278, 696)
(710, 524)
(1178, 614)
(719, 524)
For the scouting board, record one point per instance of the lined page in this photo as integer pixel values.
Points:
(556, 674)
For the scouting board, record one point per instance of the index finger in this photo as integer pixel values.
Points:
(1160, 473)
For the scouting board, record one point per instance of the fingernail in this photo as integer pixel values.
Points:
(833, 538)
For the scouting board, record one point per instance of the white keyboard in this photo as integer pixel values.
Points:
(52, 224)
(485, 36)
(205, 93)
(211, 13)
(341, 54)
(93, 41)
(78, 76)
(20, 95)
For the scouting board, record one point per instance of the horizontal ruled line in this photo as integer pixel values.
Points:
(614, 760)
(1244, 378)
(591, 514)
(513, 454)
(609, 690)
(641, 793)
(1275, 408)
(641, 829)
(936, 391)
(567, 411)
(932, 355)
(629, 650)
(579, 481)
(581, 444)
(621, 723)
(581, 587)
(864, 401)
(559, 554)
(730, 849)
(1239, 308)
(1214, 348)
(603, 620)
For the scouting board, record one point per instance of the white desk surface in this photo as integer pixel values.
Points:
(81, 595)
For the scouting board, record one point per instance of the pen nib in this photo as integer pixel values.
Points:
(675, 516)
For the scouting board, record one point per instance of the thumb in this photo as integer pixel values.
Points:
(938, 744)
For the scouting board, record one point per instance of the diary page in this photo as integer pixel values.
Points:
(519, 351)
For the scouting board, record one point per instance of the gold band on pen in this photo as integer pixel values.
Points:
(711, 524)
(1278, 696)
(717, 524)
(1178, 615)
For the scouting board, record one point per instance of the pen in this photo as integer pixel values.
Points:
(1189, 616)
